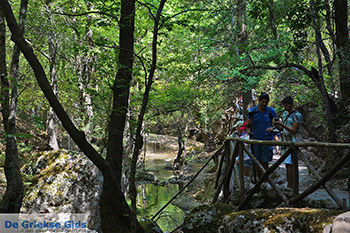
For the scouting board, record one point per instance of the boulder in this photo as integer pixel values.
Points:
(341, 224)
(222, 218)
(63, 182)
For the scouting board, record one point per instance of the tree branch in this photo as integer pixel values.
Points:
(86, 13)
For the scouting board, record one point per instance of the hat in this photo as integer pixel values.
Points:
(244, 126)
(238, 124)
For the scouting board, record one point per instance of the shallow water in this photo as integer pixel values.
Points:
(152, 198)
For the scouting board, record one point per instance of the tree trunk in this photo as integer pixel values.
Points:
(139, 138)
(86, 71)
(343, 46)
(318, 77)
(182, 126)
(115, 146)
(12, 200)
(52, 121)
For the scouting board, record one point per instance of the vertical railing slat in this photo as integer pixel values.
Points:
(241, 169)
(295, 167)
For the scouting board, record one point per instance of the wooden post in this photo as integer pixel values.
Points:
(261, 168)
(263, 179)
(221, 179)
(241, 169)
(349, 192)
(327, 176)
(228, 173)
(218, 170)
(318, 177)
(295, 171)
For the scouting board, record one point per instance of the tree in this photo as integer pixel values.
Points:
(343, 46)
(12, 199)
(115, 213)
(139, 138)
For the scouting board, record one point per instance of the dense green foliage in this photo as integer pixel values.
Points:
(203, 64)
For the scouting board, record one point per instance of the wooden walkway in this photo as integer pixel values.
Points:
(225, 158)
(234, 146)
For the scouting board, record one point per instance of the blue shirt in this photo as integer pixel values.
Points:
(261, 121)
(295, 117)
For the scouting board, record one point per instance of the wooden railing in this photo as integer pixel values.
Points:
(234, 146)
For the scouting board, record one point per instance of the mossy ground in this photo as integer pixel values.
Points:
(303, 219)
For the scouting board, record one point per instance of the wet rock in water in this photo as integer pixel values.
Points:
(150, 226)
(144, 176)
(63, 182)
(179, 180)
(185, 202)
(174, 180)
(168, 166)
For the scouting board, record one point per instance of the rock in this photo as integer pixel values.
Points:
(341, 223)
(63, 182)
(168, 166)
(174, 180)
(328, 229)
(205, 219)
(287, 220)
(150, 226)
(145, 176)
(185, 202)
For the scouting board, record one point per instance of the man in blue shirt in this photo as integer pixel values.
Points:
(260, 119)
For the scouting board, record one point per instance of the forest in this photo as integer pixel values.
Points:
(101, 86)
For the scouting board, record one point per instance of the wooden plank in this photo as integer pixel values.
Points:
(262, 169)
(218, 171)
(228, 174)
(263, 178)
(295, 168)
(318, 177)
(222, 178)
(241, 169)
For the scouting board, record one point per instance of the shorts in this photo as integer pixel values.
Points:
(263, 153)
(247, 161)
(288, 160)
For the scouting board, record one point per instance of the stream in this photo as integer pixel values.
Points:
(152, 198)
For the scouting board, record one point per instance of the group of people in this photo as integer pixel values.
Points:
(262, 124)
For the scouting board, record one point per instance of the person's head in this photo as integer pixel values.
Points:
(264, 99)
(240, 103)
(288, 103)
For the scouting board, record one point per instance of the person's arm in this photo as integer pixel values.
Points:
(293, 129)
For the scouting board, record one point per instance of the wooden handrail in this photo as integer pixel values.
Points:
(194, 177)
(326, 177)
(296, 144)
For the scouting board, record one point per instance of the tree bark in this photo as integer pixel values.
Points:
(12, 200)
(52, 121)
(139, 138)
(343, 46)
(121, 90)
(318, 75)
